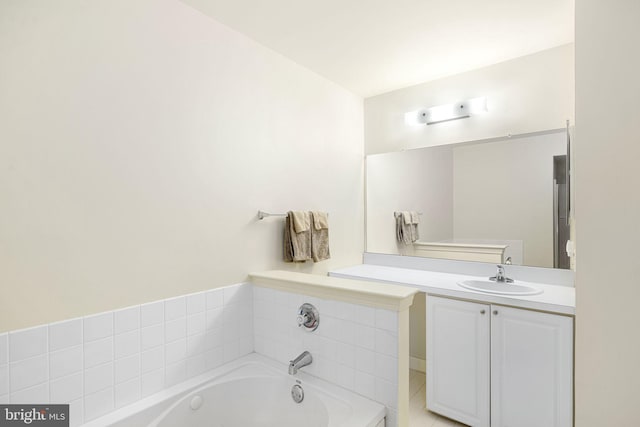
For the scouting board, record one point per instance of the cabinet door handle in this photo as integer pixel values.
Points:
(481, 311)
(495, 312)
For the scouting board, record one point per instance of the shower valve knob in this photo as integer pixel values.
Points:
(302, 319)
(308, 317)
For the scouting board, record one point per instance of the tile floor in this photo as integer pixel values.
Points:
(418, 414)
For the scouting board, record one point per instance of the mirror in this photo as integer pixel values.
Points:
(500, 200)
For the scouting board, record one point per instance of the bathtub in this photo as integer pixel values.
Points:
(253, 391)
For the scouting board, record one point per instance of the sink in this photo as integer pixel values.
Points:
(500, 288)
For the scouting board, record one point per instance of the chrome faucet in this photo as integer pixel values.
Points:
(303, 360)
(500, 276)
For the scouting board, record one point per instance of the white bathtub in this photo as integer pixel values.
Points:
(253, 391)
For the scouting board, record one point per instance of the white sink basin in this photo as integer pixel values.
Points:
(500, 288)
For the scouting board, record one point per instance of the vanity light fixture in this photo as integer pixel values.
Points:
(444, 113)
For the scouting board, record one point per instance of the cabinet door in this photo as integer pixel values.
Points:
(531, 369)
(458, 360)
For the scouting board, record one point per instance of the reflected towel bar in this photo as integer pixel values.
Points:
(397, 214)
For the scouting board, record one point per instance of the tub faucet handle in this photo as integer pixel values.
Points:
(308, 317)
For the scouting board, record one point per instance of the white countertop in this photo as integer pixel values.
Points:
(555, 299)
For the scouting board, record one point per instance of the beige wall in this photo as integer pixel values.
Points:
(607, 149)
(527, 94)
(139, 138)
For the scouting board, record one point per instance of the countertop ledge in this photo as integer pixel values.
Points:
(353, 290)
(554, 299)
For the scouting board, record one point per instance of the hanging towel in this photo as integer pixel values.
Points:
(320, 236)
(415, 220)
(297, 238)
(301, 221)
(407, 227)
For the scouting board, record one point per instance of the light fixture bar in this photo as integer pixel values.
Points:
(447, 112)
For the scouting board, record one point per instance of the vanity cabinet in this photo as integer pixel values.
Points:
(495, 366)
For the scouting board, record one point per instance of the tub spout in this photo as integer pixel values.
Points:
(303, 360)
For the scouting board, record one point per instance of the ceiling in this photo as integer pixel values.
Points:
(375, 46)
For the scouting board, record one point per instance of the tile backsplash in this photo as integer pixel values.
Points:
(105, 361)
(355, 346)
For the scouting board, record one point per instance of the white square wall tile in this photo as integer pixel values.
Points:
(366, 360)
(230, 351)
(126, 320)
(340, 310)
(98, 378)
(215, 298)
(365, 337)
(346, 377)
(231, 332)
(127, 368)
(387, 320)
(76, 412)
(152, 314)
(195, 344)
(39, 393)
(196, 365)
(98, 326)
(65, 362)
(386, 343)
(213, 338)
(365, 315)
(175, 351)
(175, 373)
(235, 294)
(387, 368)
(246, 345)
(174, 308)
(262, 294)
(4, 349)
(234, 314)
(98, 404)
(127, 392)
(214, 318)
(175, 329)
(333, 328)
(214, 358)
(151, 382)
(282, 298)
(127, 344)
(27, 343)
(345, 354)
(65, 334)
(196, 303)
(386, 393)
(152, 336)
(4, 380)
(365, 384)
(28, 372)
(151, 360)
(98, 352)
(195, 324)
(67, 389)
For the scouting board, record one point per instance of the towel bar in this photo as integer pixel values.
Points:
(263, 215)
